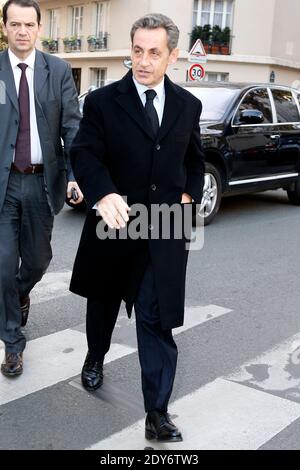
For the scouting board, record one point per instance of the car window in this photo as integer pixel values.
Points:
(256, 99)
(285, 105)
(215, 101)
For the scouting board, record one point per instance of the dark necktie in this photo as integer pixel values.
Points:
(151, 111)
(22, 153)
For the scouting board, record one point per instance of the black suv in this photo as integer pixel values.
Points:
(251, 139)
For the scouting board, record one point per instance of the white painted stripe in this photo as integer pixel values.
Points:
(221, 415)
(276, 371)
(59, 356)
(52, 285)
(195, 316)
(49, 360)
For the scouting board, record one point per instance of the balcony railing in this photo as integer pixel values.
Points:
(97, 43)
(50, 45)
(76, 44)
(72, 44)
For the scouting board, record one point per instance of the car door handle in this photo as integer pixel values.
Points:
(275, 136)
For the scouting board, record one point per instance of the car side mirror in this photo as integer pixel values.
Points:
(251, 116)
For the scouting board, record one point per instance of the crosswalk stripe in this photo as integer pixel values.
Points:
(49, 360)
(195, 316)
(221, 415)
(52, 285)
(59, 356)
(275, 371)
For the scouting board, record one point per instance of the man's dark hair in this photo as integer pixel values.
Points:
(22, 3)
(157, 20)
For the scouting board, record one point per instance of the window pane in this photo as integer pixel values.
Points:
(205, 12)
(229, 6)
(212, 77)
(206, 4)
(204, 18)
(257, 99)
(224, 77)
(219, 6)
(285, 105)
(218, 19)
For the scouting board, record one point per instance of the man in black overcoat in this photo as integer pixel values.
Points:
(138, 143)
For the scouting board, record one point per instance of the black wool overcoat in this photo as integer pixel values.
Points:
(115, 151)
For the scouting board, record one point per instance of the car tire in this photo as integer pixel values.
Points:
(212, 193)
(294, 195)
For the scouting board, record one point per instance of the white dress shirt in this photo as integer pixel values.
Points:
(159, 100)
(35, 145)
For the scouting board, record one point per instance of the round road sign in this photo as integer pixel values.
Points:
(196, 72)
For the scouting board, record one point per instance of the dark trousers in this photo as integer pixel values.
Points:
(156, 347)
(25, 251)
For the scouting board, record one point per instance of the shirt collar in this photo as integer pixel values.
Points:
(14, 60)
(159, 89)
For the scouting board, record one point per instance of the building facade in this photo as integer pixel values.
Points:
(94, 37)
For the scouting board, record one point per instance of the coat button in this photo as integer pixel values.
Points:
(157, 147)
(151, 227)
(153, 187)
(12, 146)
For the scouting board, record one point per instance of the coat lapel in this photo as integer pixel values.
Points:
(129, 100)
(7, 79)
(41, 72)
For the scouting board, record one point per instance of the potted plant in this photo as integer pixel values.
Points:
(50, 45)
(196, 33)
(216, 37)
(92, 43)
(206, 38)
(225, 41)
(72, 43)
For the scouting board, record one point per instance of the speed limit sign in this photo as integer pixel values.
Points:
(196, 72)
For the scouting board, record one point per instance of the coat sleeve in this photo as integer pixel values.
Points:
(194, 161)
(88, 154)
(70, 116)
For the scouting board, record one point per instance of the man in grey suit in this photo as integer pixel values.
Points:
(38, 109)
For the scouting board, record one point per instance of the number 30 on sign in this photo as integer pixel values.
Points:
(196, 72)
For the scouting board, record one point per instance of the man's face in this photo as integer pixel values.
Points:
(21, 29)
(151, 56)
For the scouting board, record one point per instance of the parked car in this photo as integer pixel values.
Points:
(251, 139)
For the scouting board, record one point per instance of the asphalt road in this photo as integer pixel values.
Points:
(238, 373)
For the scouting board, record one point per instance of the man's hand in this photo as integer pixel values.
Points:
(114, 210)
(186, 198)
(73, 184)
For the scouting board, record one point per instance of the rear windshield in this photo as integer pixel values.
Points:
(215, 101)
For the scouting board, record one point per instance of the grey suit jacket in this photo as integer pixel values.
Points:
(57, 116)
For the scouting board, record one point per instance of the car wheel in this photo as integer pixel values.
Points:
(294, 195)
(212, 192)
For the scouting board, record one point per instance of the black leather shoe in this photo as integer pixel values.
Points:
(25, 305)
(160, 427)
(92, 374)
(12, 364)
